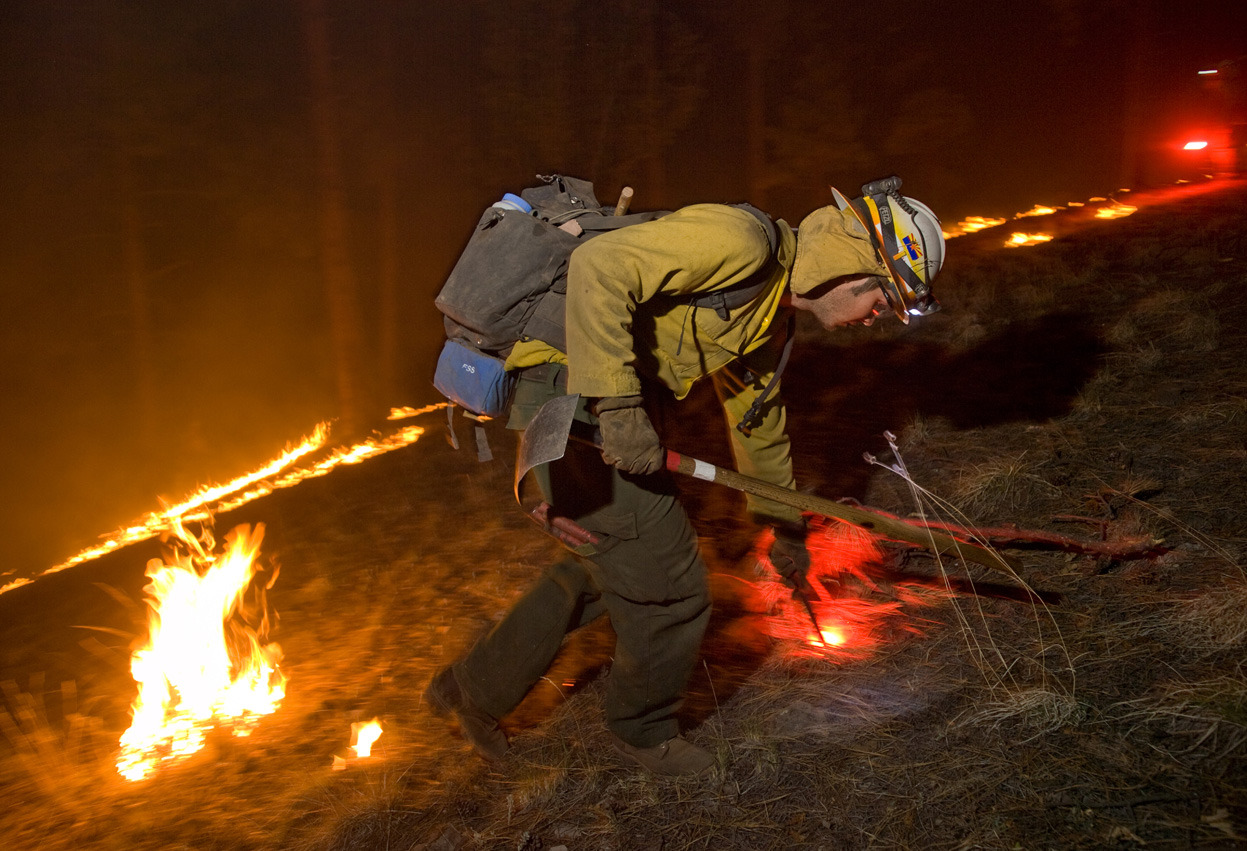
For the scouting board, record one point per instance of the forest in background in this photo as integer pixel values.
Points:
(225, 222)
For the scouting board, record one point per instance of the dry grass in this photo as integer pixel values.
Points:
(1036, 710)
(1211, 622)
(1002, 486)
(1113, 715)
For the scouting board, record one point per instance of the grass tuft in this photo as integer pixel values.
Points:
(1212, 622)
(1001, 485)
(1038, 711)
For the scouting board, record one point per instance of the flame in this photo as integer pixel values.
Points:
(1116, 211)
(202, 664)
(196, 506)
(1037, 210)
(1197, 145)
(1019, 239)
(363, 735)
(213, 499)
(972, 224)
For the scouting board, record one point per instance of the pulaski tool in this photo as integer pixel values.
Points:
(545, 440)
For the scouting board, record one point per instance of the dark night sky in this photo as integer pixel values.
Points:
(194, 120)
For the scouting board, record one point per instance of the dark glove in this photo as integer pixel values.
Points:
(629, 441)
(789, 556)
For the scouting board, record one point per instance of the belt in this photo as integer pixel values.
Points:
(554, 374)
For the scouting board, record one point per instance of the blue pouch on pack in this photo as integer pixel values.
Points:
(473, 380)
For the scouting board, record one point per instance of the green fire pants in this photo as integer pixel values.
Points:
(646, 575)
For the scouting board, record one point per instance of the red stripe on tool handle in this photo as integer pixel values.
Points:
(673, 461)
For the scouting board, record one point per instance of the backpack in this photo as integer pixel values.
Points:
(510, 284)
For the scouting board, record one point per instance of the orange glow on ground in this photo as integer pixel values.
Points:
(854, 621)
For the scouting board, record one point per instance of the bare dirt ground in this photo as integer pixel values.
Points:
(1093, 387)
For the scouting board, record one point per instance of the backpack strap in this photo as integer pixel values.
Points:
(743, 292)
(753, 417)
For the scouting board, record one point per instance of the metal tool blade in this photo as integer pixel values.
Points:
(545, 438)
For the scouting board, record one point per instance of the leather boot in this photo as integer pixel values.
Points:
(675, 757)
(480, 729)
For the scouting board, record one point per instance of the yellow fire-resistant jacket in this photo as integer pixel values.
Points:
(621, 322)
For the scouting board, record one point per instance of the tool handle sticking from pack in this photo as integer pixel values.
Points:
(625, 200)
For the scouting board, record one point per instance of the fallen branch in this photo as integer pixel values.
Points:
(1126, 549)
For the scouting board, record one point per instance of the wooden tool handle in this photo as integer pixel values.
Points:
(887, 527)
(625, 198)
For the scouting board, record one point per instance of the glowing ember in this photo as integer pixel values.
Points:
(363, 735)
(1019, 239)
(1197, 145)
(1116, 211)
(1037, 210)
(203, 665)
(829, 638)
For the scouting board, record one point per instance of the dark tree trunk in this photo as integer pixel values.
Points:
(340, 281)
(387, 220)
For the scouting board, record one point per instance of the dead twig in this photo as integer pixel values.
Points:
(1011, 536)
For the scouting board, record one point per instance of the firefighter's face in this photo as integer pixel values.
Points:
(846, 301)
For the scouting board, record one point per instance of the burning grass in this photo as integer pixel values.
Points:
(958, 712)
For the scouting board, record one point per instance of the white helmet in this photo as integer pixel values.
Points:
(908, 239)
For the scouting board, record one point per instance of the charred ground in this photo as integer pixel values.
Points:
(1095, 386)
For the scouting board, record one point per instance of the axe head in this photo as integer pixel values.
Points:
(545, 438)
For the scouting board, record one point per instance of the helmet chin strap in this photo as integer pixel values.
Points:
(893, 296)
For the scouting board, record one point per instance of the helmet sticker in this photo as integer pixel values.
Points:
(907, 240)
(912, 247)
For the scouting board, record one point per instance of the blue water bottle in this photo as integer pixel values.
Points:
(511, 201)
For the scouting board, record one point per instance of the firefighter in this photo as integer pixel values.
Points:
(637, 559)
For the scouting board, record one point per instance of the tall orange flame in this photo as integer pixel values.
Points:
(201, 664)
